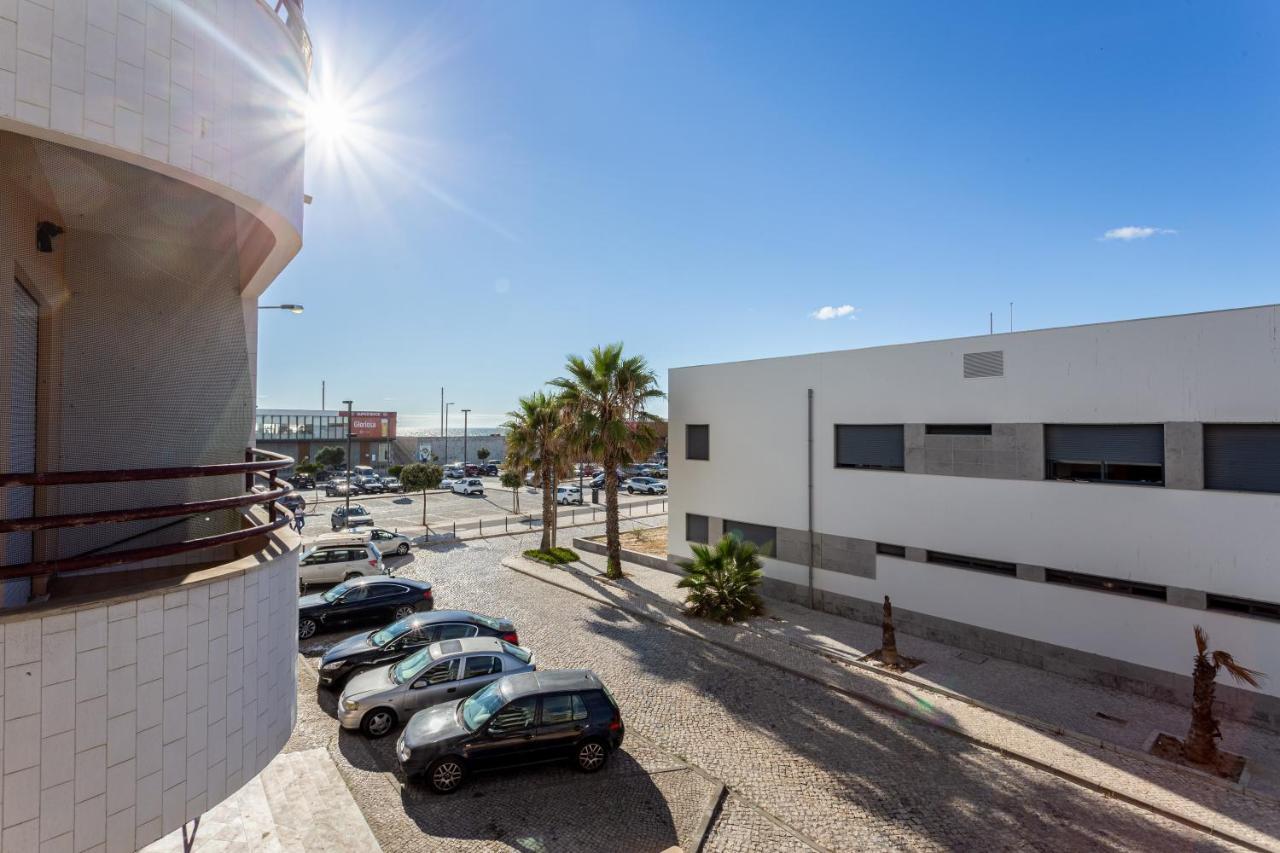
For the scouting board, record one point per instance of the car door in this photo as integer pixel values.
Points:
(560, 723)
(311, 567)
(477, 671)
(438, 683)
(346, 609)
(508, 736)
(381, 540)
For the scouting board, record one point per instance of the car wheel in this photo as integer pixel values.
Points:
(378, 722)
(306, 629)
(350, 575)
(630, 490)
(590, 756)
(404, 611)
(446, 774)
(403, 549)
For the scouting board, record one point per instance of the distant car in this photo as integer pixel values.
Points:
(295, 502)
(468, 486)
(597, 482)
(527, 718)
(568, 495)
(489, 469)
(362, 600)
(404, 637)
(447, 483)
(645, 486)
(303, 481)
(374, 701)
(471, 470)
(357, 517)
(392, 484)
(372, 485)
(338, 487)
(454, 472)
(385, 541)
(333, 562)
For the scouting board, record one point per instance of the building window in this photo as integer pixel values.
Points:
(1242, 457)
(977, 564)
(957, 429)
(1101, 584)
(890, 550)
(1243, 606)
(697, 528)
(869, 446)
(764, 538)
(697, 441)
(1105, 453)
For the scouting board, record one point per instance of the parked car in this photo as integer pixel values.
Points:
(645, 486)
(527, 718)
(404, 637)
(597, 482)
(295, 502)
(358, 516)
(338, 487)
(302, 481)
(447, 482)
(468, 486)
(489, 469)
(392, 484)
(332, 562)
(568, 495)
(454, 472)
(372, 485)
(374, 701)
(362, 600)
(471, 470)
(386, 541)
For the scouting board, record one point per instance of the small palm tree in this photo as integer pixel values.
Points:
(722, 581)
(604, 414)
(888, 638)
(1202, 740)
(511, 479)
(534, 440)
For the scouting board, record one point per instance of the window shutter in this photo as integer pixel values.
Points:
(697, 441)
(869, 446)
(1134, 443)
(1242, 457)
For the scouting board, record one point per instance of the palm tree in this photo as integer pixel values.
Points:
(888, 638)
(534, 438)
(722, 581)
(1202, 740)
(604, 409)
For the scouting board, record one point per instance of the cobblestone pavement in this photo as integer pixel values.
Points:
(806, 766)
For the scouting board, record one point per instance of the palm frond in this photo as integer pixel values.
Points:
(1243, 674)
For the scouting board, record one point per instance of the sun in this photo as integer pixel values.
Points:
(328, 120)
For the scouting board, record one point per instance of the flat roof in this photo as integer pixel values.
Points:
(987, 337)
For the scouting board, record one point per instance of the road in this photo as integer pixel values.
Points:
(806, 768)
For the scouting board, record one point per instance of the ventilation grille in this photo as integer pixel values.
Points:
(978, 365)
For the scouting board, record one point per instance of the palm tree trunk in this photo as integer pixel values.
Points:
(612, 539)
(548, 509)
(1201, 745)
(888, 640)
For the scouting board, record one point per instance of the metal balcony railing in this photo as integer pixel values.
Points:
(261, 464)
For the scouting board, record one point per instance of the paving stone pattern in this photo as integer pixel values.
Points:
(844, 774)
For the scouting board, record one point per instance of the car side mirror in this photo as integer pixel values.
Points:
(419, 684)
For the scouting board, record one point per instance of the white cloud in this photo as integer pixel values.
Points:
(831, 312)
(1135, 232)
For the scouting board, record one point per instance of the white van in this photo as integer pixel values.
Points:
(334, 562)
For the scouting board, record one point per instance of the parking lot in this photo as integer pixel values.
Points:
(805, 768)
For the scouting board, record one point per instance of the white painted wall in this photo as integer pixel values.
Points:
(126, 718)
(1219, 366)
(210, 91)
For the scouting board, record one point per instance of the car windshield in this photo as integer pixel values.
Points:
(334, 593)
(394, 631)
(411, 666)
(481, 706)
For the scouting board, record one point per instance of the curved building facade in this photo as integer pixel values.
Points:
(151, 188)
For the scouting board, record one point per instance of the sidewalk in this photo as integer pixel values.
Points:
(1033, 716)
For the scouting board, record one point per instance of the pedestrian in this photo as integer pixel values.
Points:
(299, 519)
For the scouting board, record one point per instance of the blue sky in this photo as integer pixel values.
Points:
(521, 180)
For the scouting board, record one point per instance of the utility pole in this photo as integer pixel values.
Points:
(446, 461)
(351, 432)
(322, 395)
(446, 433)
(465, 413)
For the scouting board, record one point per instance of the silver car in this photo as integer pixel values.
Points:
(376, 700)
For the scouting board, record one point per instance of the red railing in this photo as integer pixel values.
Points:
(258, 464)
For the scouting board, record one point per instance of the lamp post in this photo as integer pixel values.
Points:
(465, 412)
(351, 425)
(292, 309)
(446, 432)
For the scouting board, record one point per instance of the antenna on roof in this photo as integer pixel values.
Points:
(1011, 316)
(991, 322)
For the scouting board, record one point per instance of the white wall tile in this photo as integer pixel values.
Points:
(120, 827)
(150, 750)
(99, 132)
(57, 804)
(22, 642)
(8, 92)
(122, 734)
(100, 52)
(157, 75)
(122, 642)
(173, 804)
(24, 836)
(155, 127)
(62, 844)
(131, 41)
(175, 673)
(122, 785)
(135, 9)
(35, 28)
(8, 45)
(128, 126)
(150, 704)
(69, 19)
(174, 711)
(21, 797)
(123, 610)
(175, 762)
(91, 673)
(35, 80)
(58, 759)
(58, 708)
(122, 690)
(22, 743)
(158, 29)
(58, 657)
(91, 723)
(68, 65)
(91, 773)
(129, 95)
(91, 629)
(67, 112)
(150, 789)
(22, 690)
(9, 9)
(91, 822)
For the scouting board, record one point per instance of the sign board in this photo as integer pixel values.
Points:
(372, 424)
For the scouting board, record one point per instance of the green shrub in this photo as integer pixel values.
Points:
(554, 557)
(722, 581)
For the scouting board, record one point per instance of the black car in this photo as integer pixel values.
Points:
(360, 601)
(527, 718)
(399, 639)
(489, 469)
(303, 481)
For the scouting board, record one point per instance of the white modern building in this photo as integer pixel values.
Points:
(1074, 498)
(151, 188)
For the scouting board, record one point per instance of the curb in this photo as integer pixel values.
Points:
(513, 563)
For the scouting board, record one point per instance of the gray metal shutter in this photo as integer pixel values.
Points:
(1242, 457)
(20, 451)
(764, 538)
(1134, 443)
(980, 365)
(869, 446)
(696, 528)
(697, 441)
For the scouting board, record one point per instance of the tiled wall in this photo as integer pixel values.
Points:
(123, 721)
(160, 78)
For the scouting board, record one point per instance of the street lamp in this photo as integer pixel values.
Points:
(351, 426)
(446, 432)
(465, 412)
(292, 309)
